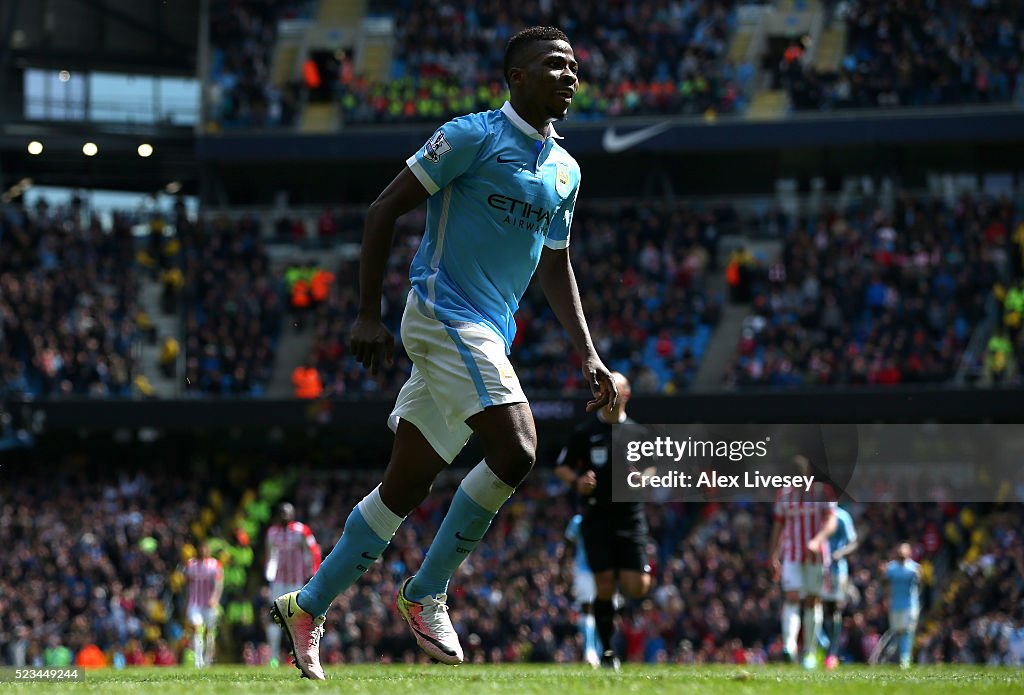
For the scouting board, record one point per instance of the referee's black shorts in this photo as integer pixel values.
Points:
(615, 543)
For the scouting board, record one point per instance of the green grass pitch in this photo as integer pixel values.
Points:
(557, 680)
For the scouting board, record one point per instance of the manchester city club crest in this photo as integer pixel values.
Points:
(562, 178)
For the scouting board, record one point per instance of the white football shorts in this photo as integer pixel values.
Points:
(806, 577)
(457, 372)
(903, 621)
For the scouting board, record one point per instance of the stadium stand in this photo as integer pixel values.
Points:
(69, 318)
(238, 91)
(866, 297)
(448, 61)
(233, 309)
(916, 54)
(713, 599)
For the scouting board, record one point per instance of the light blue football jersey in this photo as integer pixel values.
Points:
(844, 534)
(904, 578)
(499, 192)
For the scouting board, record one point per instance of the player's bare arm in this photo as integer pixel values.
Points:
(845, 550)
(370, 340)
(584, 483)
(775, 545)
(815, 544)
(559, 284)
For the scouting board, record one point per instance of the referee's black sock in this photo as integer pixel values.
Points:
(604, 617)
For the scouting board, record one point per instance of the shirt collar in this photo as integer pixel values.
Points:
(522, 125)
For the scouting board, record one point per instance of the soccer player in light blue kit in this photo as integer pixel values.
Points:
(500, 194)
(842, 542)
(584, 590)
(904, 577)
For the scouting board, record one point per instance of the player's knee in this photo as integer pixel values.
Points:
(513, 463)
(636, 585)
(403, 494)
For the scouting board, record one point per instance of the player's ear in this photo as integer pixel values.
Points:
(515, 76)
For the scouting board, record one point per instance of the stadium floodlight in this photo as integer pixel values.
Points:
(90, 149)
(145, 149)
(35, 147)
(173, 187)
(64, 75)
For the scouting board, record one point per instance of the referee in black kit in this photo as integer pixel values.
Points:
(614, 534)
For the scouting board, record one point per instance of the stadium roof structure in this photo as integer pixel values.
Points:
(144, 38)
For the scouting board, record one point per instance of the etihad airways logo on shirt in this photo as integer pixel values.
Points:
(520, 214)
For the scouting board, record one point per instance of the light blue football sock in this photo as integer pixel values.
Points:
(906, 645)
(355, 551)
(588, 627)
(462, 529)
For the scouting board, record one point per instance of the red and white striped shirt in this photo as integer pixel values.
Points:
(802, 515)
(292, 554)
(203, 578)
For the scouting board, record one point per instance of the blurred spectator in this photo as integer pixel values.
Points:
(306, 380)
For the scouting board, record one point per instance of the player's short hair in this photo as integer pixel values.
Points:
(522, 40)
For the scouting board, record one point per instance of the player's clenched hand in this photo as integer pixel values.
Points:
(601, 384)
(372, 344)
(586, 483)
(776, 569)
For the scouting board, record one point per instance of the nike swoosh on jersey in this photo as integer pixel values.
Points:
(508, 161)
(613, 142)
(369, 557)
(463, 538)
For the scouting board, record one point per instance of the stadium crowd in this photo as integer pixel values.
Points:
(638, 57)
(233, 308)
(918, 54)
(94, 555)
(713, 598)
(87, 563)
(238, 91)
(864, 297)
(69, 317)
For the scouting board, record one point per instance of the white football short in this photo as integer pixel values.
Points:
(806, 577)
(903, 621)
(458, 370)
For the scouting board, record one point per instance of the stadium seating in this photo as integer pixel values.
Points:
(916, 54)
(864, 297)
(233, 308)
(713, 599)
(69, 317)
(447, 61)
